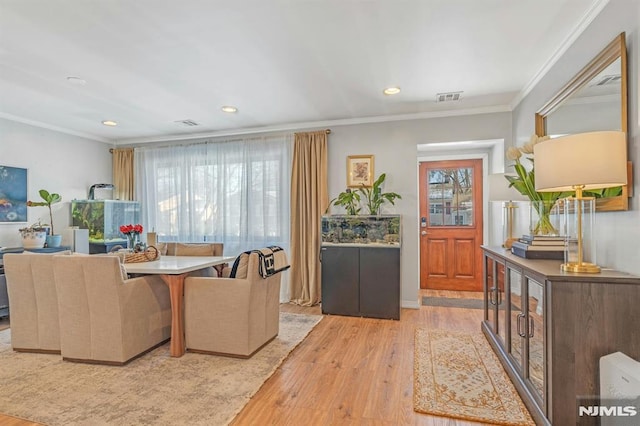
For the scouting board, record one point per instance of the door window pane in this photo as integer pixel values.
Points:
(450, 197)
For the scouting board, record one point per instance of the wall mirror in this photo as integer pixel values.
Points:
(595, 99)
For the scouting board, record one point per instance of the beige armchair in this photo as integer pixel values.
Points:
(104, 317)
(33, 302)
(232, 316)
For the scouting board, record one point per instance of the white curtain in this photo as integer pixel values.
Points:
(236, 192)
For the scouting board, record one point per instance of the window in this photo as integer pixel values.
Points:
(235, 192)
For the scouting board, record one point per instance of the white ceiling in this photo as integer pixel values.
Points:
(283, 63)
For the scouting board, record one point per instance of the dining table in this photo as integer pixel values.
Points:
(173, 270)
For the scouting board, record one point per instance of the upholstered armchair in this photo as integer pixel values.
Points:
(33, 302)
(232, 316)
(105, 317)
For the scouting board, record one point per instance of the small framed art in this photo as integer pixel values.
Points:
(359, 171)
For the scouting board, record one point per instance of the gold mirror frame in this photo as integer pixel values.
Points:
(616, 49)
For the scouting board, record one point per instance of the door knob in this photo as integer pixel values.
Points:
(423, 233)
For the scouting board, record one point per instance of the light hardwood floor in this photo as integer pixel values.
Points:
(350, 371)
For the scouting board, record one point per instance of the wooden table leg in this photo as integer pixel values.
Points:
(176, 290)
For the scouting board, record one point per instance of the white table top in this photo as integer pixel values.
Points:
(175, 265)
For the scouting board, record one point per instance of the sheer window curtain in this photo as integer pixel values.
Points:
(236, 192)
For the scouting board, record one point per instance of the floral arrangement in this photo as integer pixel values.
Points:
(524, 182)
(131, 232)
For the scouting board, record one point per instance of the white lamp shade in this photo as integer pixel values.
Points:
(499, 189)
(594, 160)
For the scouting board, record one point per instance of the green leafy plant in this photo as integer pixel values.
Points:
(348, 199)
(375, 198)
(49, 199)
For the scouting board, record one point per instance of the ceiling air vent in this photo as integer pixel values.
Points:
(448, 97)
(188, 123)
(607, 79)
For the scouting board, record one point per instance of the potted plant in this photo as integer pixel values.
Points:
(348, 199)
(33, 236)
(375, 198)
(53, 240)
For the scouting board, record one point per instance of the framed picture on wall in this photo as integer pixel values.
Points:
(13, 194)
(359, 171)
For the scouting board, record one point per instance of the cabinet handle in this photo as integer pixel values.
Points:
(531, 327)
(492, 293)
(519, 321)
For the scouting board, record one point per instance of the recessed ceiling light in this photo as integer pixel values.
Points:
(109, 123)
(229, 108)
(391, 91)
(77, 80)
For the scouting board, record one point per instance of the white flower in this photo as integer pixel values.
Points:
(513, 153)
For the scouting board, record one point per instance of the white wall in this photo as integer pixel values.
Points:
(57, 162)
(394, 146)
(617, 233)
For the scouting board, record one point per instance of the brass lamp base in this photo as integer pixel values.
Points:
(584, 267)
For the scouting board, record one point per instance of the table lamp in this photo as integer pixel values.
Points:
(576, 163)
(499, 190)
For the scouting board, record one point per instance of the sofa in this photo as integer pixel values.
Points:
(33, 302)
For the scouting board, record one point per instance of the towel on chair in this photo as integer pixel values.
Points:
(273, 259)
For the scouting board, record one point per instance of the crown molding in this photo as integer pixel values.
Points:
(42, 125)
(317, 124)
(580, 27)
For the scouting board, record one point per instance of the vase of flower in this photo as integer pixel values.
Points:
(543, 218)
(132, 232)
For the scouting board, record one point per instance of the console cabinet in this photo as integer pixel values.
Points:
(550, 328)
(361, 281)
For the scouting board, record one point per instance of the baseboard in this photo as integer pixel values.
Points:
(410, 304)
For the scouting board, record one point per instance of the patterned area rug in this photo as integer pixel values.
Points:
(457, 375)
(155, 389)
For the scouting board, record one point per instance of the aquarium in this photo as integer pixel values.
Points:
(103, 219)
(382, 230)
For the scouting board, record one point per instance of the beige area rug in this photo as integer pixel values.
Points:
(156, 389)
(456, 374)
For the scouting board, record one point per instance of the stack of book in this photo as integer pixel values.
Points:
(539, 247)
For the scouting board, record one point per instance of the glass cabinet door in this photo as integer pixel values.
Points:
(489, 294)
(516, 318)
(501, 302)
(495, 298)
(535, 335)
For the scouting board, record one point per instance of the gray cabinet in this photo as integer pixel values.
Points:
(550, 328)
(361, 281)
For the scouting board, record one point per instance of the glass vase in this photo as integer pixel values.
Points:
(544, 219)
(132, 240)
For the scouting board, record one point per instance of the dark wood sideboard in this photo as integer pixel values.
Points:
(550, 328)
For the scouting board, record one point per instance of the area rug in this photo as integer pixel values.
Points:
(456, 374)
(156, 389)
